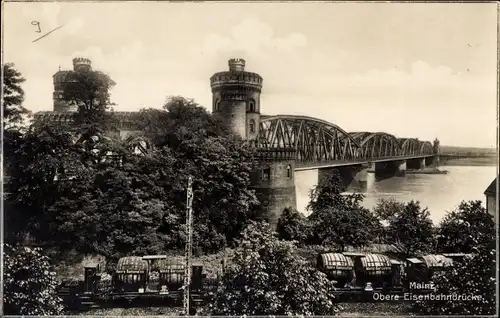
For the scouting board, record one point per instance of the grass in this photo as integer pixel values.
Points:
(152, 311)
(346, 310)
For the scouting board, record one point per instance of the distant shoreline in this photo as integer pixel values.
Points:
(468, 164)
(487, 162)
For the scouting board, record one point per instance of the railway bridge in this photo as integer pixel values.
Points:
(289, 143)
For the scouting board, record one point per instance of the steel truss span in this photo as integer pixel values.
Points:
(377, 145)
(414, 147)
(318, 140)
(313, 139)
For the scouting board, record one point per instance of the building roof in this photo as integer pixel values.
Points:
(492, 188)
(53, 116)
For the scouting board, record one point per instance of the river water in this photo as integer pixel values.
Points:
(439, 193)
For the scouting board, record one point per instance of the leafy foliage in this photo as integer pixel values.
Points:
(89, 91)
(29, 284)
(386, 209)
(340, 220)
(473, 280)
(409, 226)
(128, 203)
(459, 230)
(221, 170)
(13, 97)
(180, 119)
(32, 186)
(293, 226)
(268, 278)
(14, 113)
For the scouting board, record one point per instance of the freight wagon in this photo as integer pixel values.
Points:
(357, 276)
(142, 281)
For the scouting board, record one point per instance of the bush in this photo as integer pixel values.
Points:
(293, 226)
(461, 229)
(340, 220)
(30, 287)
(410, 227)
(473, 278)
(267, 277)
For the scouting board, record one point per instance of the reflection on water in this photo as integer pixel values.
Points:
(439, 193)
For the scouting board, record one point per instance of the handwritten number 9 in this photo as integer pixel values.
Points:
(38, 25)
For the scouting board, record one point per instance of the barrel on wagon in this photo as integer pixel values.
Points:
(375, 269)
(436, 263)
(131, 274)
(337, 267)
(171, 273)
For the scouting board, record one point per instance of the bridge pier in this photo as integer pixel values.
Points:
(356, 175)
(389, 169)
(274, 183)
(432, 161)
(416, 164)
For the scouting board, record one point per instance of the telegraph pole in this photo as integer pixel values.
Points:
(189, 245)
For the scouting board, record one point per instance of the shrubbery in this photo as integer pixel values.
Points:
(267, 277)
(30, 287)
(474, 277)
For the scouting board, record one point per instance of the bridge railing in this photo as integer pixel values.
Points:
(311, 164)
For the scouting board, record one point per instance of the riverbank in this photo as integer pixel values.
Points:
(475, 162)
(420, 171)
(426, 171)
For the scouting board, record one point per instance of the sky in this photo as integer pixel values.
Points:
(413, 70)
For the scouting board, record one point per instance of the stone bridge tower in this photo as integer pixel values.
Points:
(60, 78)
(437, 152)
(236, 98)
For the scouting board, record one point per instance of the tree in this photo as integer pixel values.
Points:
(338, 219)
(95, 195)
(293, 226)
(13, 98)
(460, 229)
(221, 172)
(411, 228)
(181, 119)
(328, 193)
(473, 280)
(32, 186)
(342, 226)
(384, 211)
(13, 114)
(30, 287)
(134, 205)
(89, 91)
(267, 277)
(118, 207)
(220, 165)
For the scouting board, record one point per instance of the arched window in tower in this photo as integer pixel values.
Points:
(288, 171)
(251, 106)
(251, 125)
(217, 104)
(266, 173)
